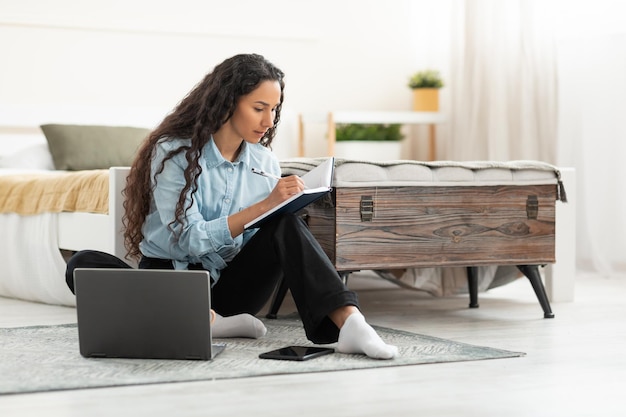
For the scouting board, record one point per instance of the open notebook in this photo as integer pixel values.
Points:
(318, 182)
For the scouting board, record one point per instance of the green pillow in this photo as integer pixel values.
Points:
(76, 147)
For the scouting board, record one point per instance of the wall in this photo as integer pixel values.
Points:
(145, 55)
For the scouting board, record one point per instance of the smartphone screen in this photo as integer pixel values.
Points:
(296, 353)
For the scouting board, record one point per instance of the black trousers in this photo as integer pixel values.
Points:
(282, 248)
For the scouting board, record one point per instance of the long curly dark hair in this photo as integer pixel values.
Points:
(200, 114)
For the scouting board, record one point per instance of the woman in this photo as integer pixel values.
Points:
(191, 189)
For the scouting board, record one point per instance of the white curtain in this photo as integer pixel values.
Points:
(503, 81)
(525, 85)
(592, 138)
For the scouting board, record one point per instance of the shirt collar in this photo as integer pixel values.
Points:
(214, 158)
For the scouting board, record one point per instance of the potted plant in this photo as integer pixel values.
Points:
(425, 85)
(377, 142)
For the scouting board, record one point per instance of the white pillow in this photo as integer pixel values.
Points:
(35, 156)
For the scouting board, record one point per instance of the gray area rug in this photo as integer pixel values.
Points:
(46, 358)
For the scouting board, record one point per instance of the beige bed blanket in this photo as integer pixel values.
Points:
(28, 194)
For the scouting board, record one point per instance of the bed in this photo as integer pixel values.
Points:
(36, 240)
(60, 168)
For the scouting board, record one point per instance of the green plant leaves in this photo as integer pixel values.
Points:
(426, 79)
(368, 132)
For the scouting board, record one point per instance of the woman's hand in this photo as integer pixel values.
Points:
(286, 188)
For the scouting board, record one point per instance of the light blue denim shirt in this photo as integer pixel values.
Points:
(224, 188)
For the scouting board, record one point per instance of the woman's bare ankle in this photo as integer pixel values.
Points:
(340, 315)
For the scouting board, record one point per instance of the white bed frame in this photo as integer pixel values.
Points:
(105, 230)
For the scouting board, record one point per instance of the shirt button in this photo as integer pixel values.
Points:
(230, 169)
(227, 200)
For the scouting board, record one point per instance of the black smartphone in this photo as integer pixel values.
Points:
(296, 353)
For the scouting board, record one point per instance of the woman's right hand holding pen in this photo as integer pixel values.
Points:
(285, 188)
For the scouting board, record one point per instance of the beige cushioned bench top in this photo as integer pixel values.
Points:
(405, 173)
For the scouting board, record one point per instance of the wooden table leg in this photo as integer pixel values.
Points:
(432, 144)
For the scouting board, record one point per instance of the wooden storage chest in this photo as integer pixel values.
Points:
(399, 227)
(408, 214)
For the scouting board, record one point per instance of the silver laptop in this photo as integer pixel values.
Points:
(144, 313)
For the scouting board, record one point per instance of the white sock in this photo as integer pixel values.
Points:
(356, 336)
(239, 325)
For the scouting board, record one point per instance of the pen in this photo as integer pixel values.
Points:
(264, 174)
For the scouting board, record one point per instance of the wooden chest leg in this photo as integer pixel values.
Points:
(532, 273)
(472, 285)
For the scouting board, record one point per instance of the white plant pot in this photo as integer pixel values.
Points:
(369, 150)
